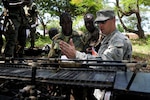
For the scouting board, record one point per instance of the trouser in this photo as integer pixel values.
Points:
(15, 35)
(11, 37)
(1, 42)
(21, 42)
(32, 34)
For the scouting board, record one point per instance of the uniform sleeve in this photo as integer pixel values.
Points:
(55, 49)
(52, 51)
(82, 55)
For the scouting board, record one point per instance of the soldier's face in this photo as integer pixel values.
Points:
(89, 25)
(107, 26)
(67, 27)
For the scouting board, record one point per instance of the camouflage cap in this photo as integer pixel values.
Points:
(103, 15)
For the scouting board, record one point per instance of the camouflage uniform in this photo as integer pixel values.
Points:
(91, 39)
(16, 29)
(77, 39)
(33, 14)
(1, 34)
(56, 52)
(115, 46)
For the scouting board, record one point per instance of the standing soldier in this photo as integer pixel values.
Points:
(66, 35)
(3, 19)
(91, 38)
(16, 33)
(1, 32)
(52, 32)
(33, 21)
(1, 38)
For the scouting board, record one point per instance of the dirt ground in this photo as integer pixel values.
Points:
(143, 60)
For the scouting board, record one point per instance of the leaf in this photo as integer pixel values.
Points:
(76, 2)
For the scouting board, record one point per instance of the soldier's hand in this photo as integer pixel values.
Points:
(89, 50)
(68, 49)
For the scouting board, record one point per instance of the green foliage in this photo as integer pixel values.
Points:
(77, 22)
(55, 7)
(91, 6)
(40, 42)
(132, 4)
(120, 28)
(142, 42)
(141, 45)
(52, 25)
(83, 29)
(141, 50)
(129, 4)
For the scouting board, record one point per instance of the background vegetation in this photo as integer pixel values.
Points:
(141, 50)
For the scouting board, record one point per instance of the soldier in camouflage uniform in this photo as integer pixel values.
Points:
(52, 32)
(91, 38)
(15, 35)
(33, 19)
(1, 42)
(1, 33)
(66, 35)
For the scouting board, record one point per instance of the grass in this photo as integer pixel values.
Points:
(40, 41)
(141, 49)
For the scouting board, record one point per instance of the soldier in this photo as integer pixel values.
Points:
(114, 46)
(33, 21)
(1, 42)
(65, 35)
(52, 32)
(91, 38)
(1, 32)
(16, 36)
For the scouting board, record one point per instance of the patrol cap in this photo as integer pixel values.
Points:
(104, 15)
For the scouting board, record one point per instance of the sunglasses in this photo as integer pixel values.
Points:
(102, 22)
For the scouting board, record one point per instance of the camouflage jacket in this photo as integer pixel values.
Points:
(77, 40)
(114, 46)
(91, 39)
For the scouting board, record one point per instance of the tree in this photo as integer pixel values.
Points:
(128, 8)
(88, 6)
(74, 7)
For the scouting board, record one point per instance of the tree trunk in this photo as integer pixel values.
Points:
(122, 13)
